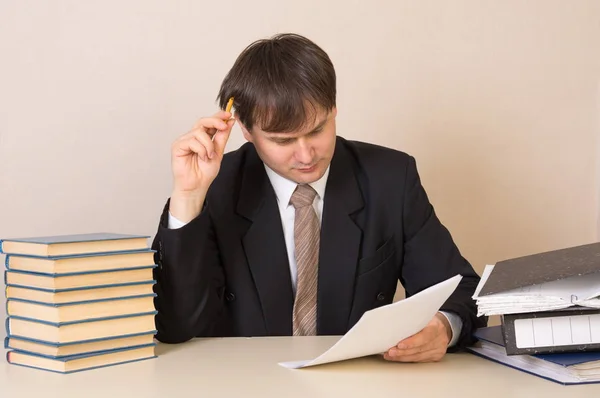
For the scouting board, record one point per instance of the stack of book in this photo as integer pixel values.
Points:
(79, 302)
(562, 368)
(548, 303)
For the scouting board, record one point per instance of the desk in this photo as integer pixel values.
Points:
(240, 367)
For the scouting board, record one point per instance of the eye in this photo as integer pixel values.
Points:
(282, 141)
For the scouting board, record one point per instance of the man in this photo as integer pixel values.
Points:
(299, 231)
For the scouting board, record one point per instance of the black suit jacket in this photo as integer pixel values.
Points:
(226, 273)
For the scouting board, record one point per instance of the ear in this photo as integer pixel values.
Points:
(247, 135)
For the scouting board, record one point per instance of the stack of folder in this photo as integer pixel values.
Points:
(562, 368)
(549, 304)
(79, 302)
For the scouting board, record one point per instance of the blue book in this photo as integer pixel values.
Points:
(56, 333)
(80, 295)
(74, 312)
(63, 245)
(78, 363)
(50, 350)
(562, 368)
(80, 262)
(78, 280)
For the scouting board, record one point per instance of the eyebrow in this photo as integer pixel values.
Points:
(316, 128)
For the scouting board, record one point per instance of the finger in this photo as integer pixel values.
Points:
(223, 115)
(197, 132)
(423, 337)
(200, 149)
(191, 145)
(205, 140)
(189, 134)
(211, 124)
(395, 351)
(433, 355)
(219, 118)
(221, 137)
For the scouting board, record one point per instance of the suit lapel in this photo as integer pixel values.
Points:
(340, 243)
(264, 245)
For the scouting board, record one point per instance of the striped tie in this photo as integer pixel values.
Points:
(306, 238)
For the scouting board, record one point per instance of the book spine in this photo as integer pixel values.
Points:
(6, 343)
(7, 326)
(509, 334)
(78, 273)
(6, 262)
(105, 318)
(69, 303)
(1, 252)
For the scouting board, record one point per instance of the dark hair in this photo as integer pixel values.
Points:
(278, 83)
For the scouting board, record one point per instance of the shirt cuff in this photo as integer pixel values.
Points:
(174, 223)
(455, 325)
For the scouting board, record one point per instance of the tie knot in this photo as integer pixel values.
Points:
(303, 196)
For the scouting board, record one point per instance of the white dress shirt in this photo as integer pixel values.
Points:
(284, 189)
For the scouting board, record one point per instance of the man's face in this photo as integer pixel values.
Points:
(301, 156)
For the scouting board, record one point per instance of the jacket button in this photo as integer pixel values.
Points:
(230, 297)
(381, 297)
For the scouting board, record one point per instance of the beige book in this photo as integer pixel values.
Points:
(62, 245)
(80, 332)
(15, 278)
(81, 311)
(83, 263)
(79, 295)
(78, 348)
(75, 364)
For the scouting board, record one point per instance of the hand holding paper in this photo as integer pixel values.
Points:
(428, 345)
(384, 327)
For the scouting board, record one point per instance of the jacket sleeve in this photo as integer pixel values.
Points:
(431, 256)
(189, 279)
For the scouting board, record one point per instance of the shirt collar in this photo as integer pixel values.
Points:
(284, 188)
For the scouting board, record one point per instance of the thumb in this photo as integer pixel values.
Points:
(222, 136)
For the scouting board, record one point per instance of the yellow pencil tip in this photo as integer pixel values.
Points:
(229, 105)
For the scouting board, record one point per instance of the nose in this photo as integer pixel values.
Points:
(304, 152)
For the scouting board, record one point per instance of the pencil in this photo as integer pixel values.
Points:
(228, 108)
(229, 105)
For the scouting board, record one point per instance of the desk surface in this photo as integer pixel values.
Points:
(239, 367)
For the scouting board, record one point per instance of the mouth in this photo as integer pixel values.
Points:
(307, 169)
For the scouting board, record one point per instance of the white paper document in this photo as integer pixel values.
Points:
(582, 290)
(380, 329)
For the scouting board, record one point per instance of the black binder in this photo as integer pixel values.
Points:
(543, 267)
(510, 338)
